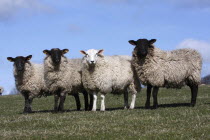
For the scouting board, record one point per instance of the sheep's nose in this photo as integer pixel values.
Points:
(92, 61)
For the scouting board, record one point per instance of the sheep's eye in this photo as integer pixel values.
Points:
(86, 55)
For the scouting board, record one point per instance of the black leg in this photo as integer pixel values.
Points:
(194, 92)
(154, 94)
(56, 98)
(149, 89)
(91, 102)
(28, 101)
(76, 96)
(86, 100)
(61, 104)
(126, 100)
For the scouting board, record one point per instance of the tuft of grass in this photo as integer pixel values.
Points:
(174, 119)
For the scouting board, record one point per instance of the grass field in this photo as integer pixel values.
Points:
(172, 120)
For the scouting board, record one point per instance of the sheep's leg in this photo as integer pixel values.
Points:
(154, 94)
(76, 96)
(126, 100)
(61, 104)
(133, 100)
(56, 98)
(132, 90)
(91, 102)
(149, 89)
(28, 101)
(102, 102)
(86, 100)
(94, 101)
(194, 92)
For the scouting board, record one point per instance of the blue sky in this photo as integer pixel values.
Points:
(30, 26)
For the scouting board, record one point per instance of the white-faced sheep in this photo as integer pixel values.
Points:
(29, 79)
(108, 74)
(1, 90)
(172, 69)
(63, 76)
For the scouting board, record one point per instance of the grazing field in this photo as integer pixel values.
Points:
(172, 120)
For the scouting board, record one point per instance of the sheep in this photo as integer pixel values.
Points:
(172, 69)
(29, 79)
(108, 74)
(1, 90)
(63, 76)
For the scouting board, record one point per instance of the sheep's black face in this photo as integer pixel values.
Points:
(20, 62)
(56, 54)
(142, 46)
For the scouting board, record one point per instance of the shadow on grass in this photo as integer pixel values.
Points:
(167, 106)
(174, 105)
(118, 108)
(51, 111)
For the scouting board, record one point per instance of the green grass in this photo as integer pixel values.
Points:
(172, 120)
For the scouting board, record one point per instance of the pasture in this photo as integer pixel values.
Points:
(174, 119)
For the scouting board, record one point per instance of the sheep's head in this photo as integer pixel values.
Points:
(142, 46)
(91, 56)
(56, 54)
(19, 62)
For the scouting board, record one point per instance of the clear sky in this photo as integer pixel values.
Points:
(27, 27)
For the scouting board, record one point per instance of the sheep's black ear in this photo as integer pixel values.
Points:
(132, 42)
(47, 52)
(83, 52)
(10, 59)
(64, 51)
(28, 57)
(100, 53)
(152, 41)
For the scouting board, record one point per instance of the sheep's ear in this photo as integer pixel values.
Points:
(83, 52)
(28, 57)
(100, 53)
(132, 42)
(47, 52)
(64, 51)
(10, 59)
(152, 41)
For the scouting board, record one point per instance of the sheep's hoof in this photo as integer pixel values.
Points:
(90, 108)
(55, 109)
(94, 110)
(192, 105)
(86, 109)
(155, 107)
(27, 110)
(60, 109)
(78, 109)
(147, 106)
(125, 107)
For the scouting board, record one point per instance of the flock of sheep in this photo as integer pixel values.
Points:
(96, 73)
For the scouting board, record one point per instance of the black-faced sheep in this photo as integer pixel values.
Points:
(63, 76)
(172, 69)
(29, 79)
